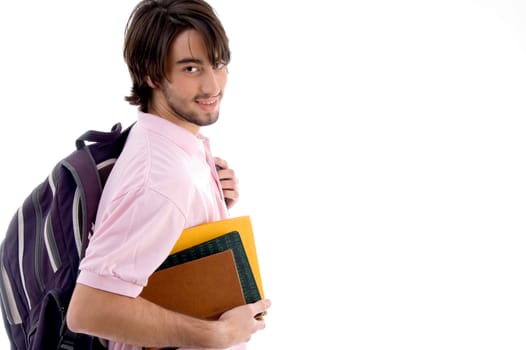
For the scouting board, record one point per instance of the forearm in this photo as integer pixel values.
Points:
(138, 321)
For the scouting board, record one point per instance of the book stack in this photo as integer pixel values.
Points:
(211, 269)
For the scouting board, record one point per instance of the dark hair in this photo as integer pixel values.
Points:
(152, 27)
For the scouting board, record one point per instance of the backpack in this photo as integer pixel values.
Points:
(45, 241)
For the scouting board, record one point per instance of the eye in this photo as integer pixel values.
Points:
(191, 69)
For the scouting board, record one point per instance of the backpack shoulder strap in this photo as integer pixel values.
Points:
(94, 150)
(99, 136)
(81, 166)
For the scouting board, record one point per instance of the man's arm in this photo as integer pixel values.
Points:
(138, 321)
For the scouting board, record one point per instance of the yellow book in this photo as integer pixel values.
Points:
(201, 233)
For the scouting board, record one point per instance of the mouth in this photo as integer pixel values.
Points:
(208, 104)
(209, 101)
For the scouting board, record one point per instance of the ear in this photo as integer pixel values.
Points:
(150, 82)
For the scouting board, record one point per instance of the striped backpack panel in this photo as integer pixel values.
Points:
(45, 241)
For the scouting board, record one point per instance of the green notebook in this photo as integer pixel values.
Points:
(231, 240)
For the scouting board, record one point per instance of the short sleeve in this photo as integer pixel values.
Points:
(130, 241)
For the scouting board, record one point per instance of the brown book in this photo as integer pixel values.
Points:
(196, 235)
(203, 288)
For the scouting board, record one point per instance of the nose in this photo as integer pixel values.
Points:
(212, 82)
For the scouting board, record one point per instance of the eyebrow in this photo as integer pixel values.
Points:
(189, 60)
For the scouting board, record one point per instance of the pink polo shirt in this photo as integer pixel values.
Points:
(163, 182)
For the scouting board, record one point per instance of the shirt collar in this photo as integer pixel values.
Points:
(188, 141)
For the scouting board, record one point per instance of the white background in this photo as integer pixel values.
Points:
(380, 147)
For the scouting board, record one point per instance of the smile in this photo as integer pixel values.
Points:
(208, 101)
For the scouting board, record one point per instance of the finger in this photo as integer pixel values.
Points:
(230, 202)
(220, 162)
(260, 308)
(231, 195)
(226, 174)
(228, 184)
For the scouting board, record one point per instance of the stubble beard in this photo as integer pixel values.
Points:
(176, 107)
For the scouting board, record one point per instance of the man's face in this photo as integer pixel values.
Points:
(191, 95)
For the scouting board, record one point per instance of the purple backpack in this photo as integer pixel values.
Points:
(45, 241)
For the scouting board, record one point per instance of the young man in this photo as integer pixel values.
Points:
(164, 181)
